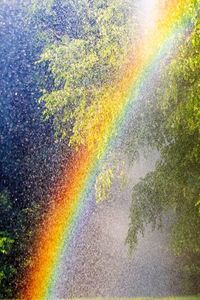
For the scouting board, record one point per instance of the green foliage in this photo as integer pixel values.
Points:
(170, 122)
(103, 184)
(15, 236)
(112, 173)
(7, 271)
(84, 66)
(5, 244)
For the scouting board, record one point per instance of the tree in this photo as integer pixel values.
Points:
(7, 270)
(169, 121)
(84, 66)
(87, 63)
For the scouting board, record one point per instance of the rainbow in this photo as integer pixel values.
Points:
(70, 198)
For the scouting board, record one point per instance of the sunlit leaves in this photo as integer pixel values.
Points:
(87, 68)
(112, 174)
(5, 244)
(170, 122)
